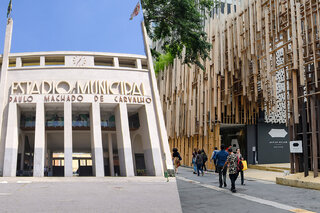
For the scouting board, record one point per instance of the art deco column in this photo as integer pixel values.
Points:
(12, 142)
(110, 148)
(68, 139)
(96, 141)
(39, 143)
(124, 141)
(151, 140)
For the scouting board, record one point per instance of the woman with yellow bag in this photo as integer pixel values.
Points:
(244, 165)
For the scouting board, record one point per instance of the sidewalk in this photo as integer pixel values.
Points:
(298, 180)
(280, 173)
(89, 194)
(279, 167)
(259, 174)
(140, 179)
(262, 175)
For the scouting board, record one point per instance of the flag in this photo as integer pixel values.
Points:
(9, 9)
(135, 11)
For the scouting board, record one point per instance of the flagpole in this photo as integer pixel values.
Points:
(9, 9)
(157, 105)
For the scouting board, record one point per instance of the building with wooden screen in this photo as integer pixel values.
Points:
(262, 81)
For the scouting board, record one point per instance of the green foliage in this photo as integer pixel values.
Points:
(141, 172)
(163, 61)
(179, 25)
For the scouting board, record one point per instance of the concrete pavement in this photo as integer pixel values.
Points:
(280, 173)
(275, 167)
(263, 175)
(154, 194)
(299, 180)
(202, 194)
(259, 174)
(81, 194)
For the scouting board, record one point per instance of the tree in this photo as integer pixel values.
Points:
(163, 61)
(179, 25)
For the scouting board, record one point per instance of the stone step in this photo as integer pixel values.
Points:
(269, 168)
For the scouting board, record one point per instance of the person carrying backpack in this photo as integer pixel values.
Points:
(214, 158)
(205, 159)
(240, 166)
(199, 162)
(176, 158)
(194, 157)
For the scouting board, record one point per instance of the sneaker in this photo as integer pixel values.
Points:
(233, 191)
(220, 186)
(225, 185)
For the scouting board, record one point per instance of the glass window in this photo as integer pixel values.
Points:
(82, 162)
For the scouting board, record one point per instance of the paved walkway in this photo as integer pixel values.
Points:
(202, 194)
(260, 174)
(263, 175)
(276, 165)
(89, 194)
(281, 174)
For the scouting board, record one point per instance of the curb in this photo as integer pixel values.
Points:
(297, 183)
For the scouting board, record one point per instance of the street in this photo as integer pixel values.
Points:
(202, 194)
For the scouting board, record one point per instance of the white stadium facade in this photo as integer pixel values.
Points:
(80, 114)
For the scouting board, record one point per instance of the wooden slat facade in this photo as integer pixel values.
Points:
(240, 78)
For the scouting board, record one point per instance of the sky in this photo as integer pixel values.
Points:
(73, 25)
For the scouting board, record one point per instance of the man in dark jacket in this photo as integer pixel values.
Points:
(221, 157)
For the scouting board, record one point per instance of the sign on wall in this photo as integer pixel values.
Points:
(76, 91)
(296, 147)
(273, 143)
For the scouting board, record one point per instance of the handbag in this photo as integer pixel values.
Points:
(178, 163)
(245, 165)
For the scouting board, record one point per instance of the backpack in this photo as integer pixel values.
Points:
(199, 159)
(239, 165)
(205, 157)
(215, 152)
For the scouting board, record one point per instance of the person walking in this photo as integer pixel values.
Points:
(205, 159)
(176, 158)
(194, 157)
(240, 158)
(232, 163)
(213, 157)
(199, 162)
(221, 160)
